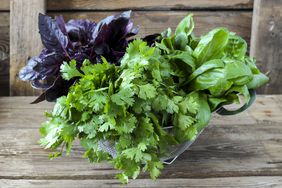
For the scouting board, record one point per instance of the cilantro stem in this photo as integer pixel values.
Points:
(96, 90)
(102, 89)
(61, 151)
(156, 122)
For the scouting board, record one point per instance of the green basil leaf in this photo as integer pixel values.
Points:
(214, 102)
(216, 63)
(221, 86)
(211, 45)
(185, 57)
(238, 72)
(204, 114)
(242, 90)
(236, 48)
(186, 26)
(207, 79)
(258, 81)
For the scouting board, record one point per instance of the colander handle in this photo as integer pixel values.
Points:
(224, 112)
(170, 161)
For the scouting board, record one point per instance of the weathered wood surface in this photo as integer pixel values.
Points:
(140, 4)
(242, 182)
(24, 40)
(149, 21)
(236, 151)
(267, 41)
(149, 4)
(157, 21)
(4, 5)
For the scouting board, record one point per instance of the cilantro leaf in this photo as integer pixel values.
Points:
(123, 97)
(69, 70)
(147, 91)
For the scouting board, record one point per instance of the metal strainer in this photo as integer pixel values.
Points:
(106, 146)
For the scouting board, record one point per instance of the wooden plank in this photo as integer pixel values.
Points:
(24, 40)
(4, 5)
(34, 118)
(152, 22)
(4, 34)
(4, 54)
(222, 150)
(278, 100)
(267, 41)
(267, 109)
(140, 4)
(242, 182)
(148, 4)
(13, 103)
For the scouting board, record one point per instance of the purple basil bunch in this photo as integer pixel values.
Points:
(77, 39)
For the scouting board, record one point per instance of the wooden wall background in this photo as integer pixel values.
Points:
(152, 16)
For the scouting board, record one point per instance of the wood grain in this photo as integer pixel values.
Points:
(147, 4)
(267, 41)
(157, 21)
(140, 4)
(229, 149)
(4, 34)
(221, 151)
(24, 40)
(4, 5)
(242, 182)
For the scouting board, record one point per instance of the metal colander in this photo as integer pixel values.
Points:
(175, 151)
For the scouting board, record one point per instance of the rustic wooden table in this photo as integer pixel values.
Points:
(239, 151)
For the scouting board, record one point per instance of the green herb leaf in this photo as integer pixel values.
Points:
(69, 70)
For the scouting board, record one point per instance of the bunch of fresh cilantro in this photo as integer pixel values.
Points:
(178, 81)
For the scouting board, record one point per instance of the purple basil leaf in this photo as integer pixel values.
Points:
(28, 72)
(59, 88)
(49, 65)
(151, 39)
(111, 27)
(113, 31)
(41, 67)
(80, 57)
(62, 25)
(133, 31)
(102, 49)
(40, 98)
(79, 40)
(118, 55)
(37, 84)
(51, 35)
(80, 30)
